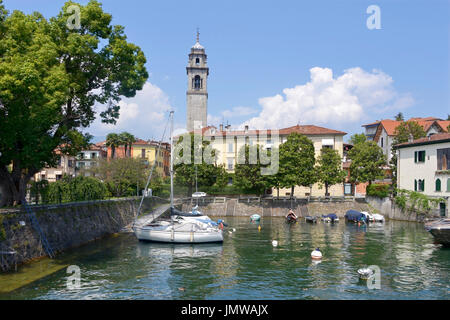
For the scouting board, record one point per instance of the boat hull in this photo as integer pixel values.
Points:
(441, 236)
(170, 236)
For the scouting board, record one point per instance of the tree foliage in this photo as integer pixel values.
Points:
(50, 79)
(367, 162)
(247, 176)
(358, 138)
(297, 161)
(124, 176)
(329, 169)
(75, 189)
(207, 174)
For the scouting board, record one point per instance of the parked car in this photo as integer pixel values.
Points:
(199, 194)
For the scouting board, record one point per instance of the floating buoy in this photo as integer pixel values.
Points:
(275, 243)
(234, 230)
(316, 254)
(181, 289)
(259, 228)
(365, 273)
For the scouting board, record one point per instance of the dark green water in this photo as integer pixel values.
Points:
(247, 266)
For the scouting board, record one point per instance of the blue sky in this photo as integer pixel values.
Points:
(257, 49)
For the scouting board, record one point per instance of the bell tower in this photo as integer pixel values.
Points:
(197, 92)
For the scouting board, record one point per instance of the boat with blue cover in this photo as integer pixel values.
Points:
(355, 216)
(330, 218)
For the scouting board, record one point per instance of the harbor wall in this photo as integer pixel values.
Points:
(389, 209)
(275, 207)
(65, 226)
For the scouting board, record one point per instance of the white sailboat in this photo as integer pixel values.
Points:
(179, 230)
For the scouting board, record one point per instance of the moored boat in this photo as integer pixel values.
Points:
(355, 216)
(330, 218)
(440, 230)
(311, 219)
(255, 217)
(182, 227)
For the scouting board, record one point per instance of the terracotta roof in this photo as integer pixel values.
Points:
(435, 138)
(443, 124)
(390, 126)
(424, 119)
(302, 129)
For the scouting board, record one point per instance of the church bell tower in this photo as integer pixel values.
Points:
(197, 93)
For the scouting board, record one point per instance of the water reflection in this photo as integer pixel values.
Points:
(247, 266)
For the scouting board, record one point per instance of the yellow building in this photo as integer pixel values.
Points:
(148, 150)
(229, 142)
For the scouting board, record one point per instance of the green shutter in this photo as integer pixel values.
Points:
(415, 184)
(448, 185)
(438, 185)
(423, 185)
(415, 156)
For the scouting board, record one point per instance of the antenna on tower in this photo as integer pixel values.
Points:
(198, 34)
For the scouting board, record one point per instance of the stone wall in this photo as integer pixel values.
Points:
(65, 226)
(387, 207)
(277, 208)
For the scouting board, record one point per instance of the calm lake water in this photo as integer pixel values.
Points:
(247, 266)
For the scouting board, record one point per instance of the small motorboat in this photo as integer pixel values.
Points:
(368, 216)
(291, 219)
(365, 273)
(311, 219)
(440, 230)
(330, 218)
(255, 217)
(378, 217)
(355, 216)
(316, 254)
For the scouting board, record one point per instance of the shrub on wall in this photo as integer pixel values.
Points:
(416, 201)
(76, 189)
(378, 190)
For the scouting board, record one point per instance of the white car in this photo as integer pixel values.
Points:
(198, 194)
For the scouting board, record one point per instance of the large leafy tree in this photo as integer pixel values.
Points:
(329, 169)
(247, 176)
(367, 162)
(207, 174)
(297, 160)
(50, 78)
(358, 138)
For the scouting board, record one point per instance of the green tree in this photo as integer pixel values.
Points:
(50, 79)
(247, 176)
(113, 141)
(274, 180)
(123, 176)
(207, 174)
(127, 140)
(297, 160)
(358, 138)
(399, 117)
(329, 169)
(76, 189)
(367, 162)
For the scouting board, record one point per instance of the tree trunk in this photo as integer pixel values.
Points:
(15, 183)
(278, 193)
(326, 189)
(292, 192)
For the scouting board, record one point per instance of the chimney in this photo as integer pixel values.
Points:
(221, 127)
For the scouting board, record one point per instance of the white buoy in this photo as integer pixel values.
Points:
(275, 243)
(316, 254)
(234, 230)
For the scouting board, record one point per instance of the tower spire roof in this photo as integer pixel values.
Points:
(197, 45)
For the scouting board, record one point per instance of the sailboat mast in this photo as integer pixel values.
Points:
(171, 159)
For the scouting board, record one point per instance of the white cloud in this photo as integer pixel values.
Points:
(326, 100)
(145, 115)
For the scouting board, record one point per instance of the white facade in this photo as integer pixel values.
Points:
(421, 172)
